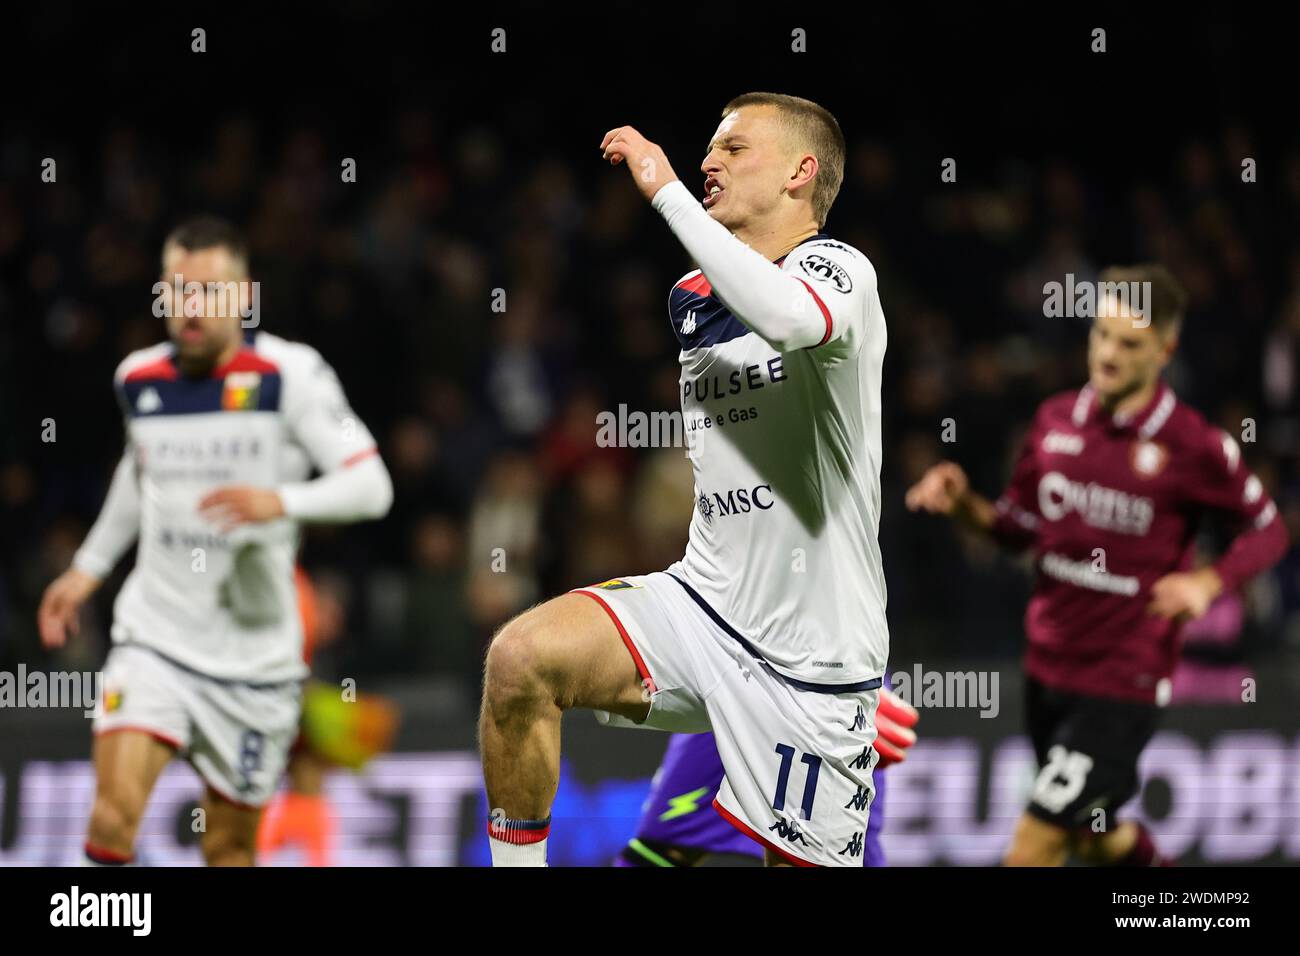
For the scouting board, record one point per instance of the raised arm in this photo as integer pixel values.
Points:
(823, 300)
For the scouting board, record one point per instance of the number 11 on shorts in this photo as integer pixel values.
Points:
(814, 765)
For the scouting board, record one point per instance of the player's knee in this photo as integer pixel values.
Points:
(114, 819)
(230, 846)
(513, 675)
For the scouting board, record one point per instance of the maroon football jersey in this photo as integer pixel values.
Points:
(1110, 505)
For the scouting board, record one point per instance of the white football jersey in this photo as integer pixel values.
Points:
(224, 604)
(786, 451)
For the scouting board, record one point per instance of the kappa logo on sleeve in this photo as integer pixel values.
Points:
(148, 402)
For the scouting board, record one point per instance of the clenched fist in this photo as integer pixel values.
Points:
(647, 163)
(940, 490)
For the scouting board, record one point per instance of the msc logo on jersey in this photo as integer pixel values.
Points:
(241, 391)
(819, 267)
(737, 501)
(148, 401)
(615, 584)
(688, 326)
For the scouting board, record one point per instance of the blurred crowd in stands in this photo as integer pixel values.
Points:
(487, 418)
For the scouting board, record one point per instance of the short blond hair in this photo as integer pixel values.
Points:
(811, 127)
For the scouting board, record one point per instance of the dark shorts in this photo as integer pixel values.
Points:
(1087, 750)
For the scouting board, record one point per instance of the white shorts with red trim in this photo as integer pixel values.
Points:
(236, 735)
(797, 761)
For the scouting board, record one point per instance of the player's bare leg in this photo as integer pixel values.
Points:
(1129, 844)
(563, 654)
(774, 859)
(230, 837)
(127, 765)
(307, 773)
(1107, 847)
(1037, 843)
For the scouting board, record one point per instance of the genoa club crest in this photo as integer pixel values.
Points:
(241, 391)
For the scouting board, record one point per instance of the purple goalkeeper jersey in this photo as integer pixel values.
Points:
(679, 810)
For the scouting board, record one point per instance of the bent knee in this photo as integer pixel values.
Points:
(115, 817)
(515, 671)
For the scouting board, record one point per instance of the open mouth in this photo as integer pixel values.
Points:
(712, 192)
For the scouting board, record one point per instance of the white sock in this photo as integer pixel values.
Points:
(517, 842)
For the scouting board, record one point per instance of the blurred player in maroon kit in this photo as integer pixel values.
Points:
(1108, 487)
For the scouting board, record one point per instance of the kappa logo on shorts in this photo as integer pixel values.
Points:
(860, 721)
(854, 848)
(615, 584)
(788, 831)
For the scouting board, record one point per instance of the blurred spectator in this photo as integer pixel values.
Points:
(486, 407)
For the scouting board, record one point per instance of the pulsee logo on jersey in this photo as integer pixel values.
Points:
(748, 378)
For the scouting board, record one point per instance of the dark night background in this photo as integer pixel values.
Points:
(479, 171)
